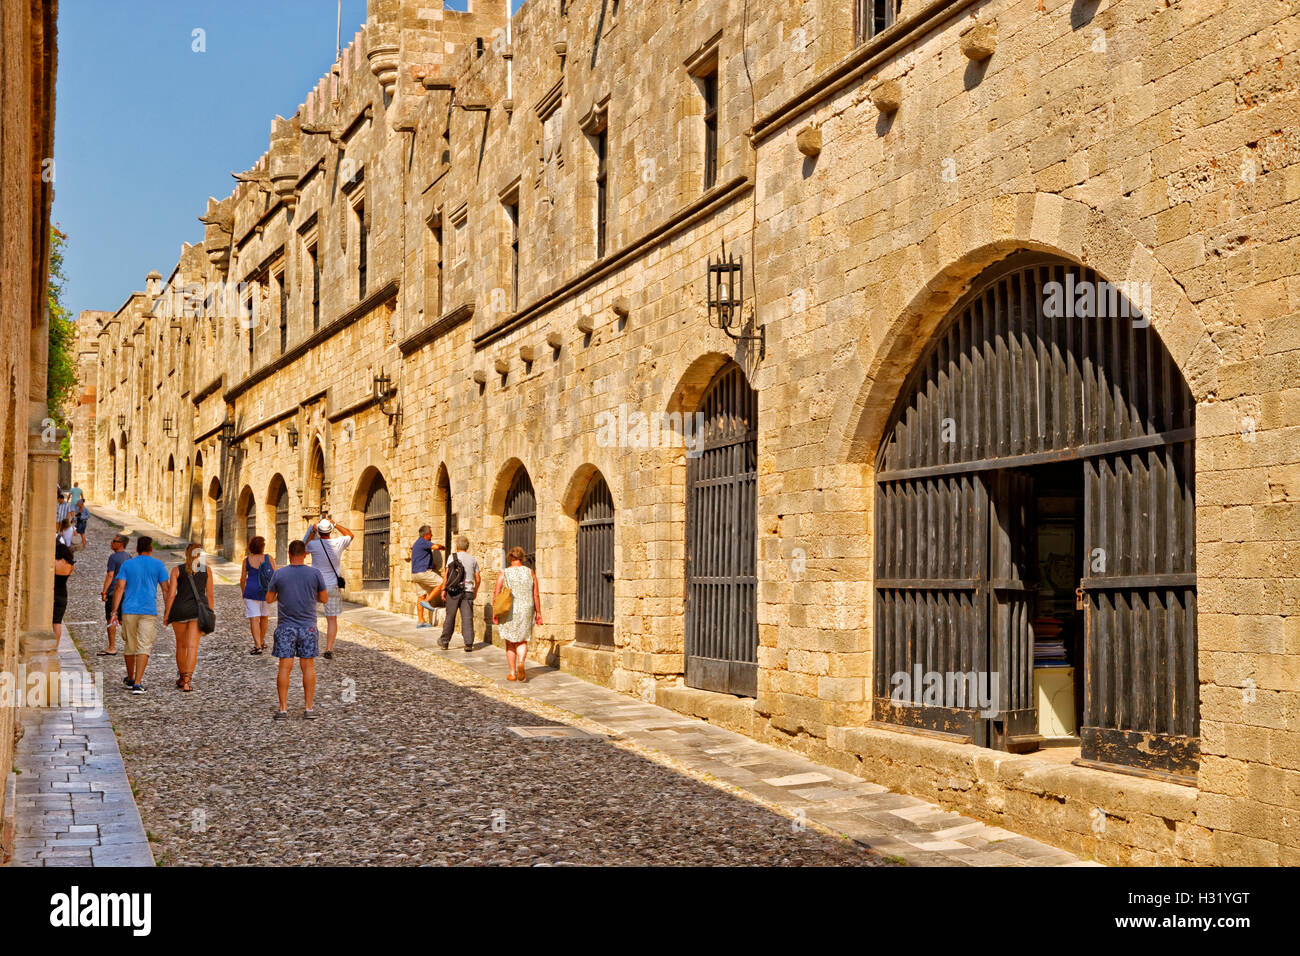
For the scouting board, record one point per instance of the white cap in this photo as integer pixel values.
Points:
(325, 527)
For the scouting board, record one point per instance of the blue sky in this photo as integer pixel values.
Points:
(146, 128)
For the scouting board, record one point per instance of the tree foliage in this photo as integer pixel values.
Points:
(61, 374)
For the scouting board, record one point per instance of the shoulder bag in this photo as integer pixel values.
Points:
(503, 602)
(325, 546)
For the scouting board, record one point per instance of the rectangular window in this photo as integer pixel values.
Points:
(436, 263)
(873, 17)
(362, 242)
(512, 222)
(601, 143)
(284, 312)
(315, 286)
(709, 83)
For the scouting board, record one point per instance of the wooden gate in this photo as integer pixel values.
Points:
(521, 517)
(721, 541)
(594, 625)
(1042, 362)
(374, 554)
(282, 527)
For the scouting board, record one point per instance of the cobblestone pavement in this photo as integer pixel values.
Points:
(414, 761)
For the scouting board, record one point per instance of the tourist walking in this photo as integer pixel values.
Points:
(63, 510)
(296, 589)
(427, 581)
(254, 579)
(135, 597)
(326, 542)
(80, 518)
(75, 494)
(460, 581)
(64, 565)
(189, 584)
(117, 556)
(525, 610)
(67, 530)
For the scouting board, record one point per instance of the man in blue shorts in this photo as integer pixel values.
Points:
(296, 589)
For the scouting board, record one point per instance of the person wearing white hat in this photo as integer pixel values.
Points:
(326, 552)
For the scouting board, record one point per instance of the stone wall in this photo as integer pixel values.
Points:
(866, 186)
(27, 467)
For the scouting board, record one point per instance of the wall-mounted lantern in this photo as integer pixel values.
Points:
(293, 436)
(227, 434)
(121, 421)
(167, 425)
(384, 390)
(727, 295)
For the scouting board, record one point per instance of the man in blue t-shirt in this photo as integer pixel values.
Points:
(116, 558)
(296, 589)
(135, 597)
(424, 575)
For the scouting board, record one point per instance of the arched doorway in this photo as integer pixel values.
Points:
(278, 497)
(443, 508)
(246, 515)
(721, 541)
(594, 623)
(1035, 527)
(112, 456)
(314, 490)
(375, 540)
(521, 517)
(215, 523)
(171, 491)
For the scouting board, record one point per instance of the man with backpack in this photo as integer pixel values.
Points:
(460, 583)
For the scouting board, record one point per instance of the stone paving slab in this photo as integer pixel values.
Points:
(74, 802)
(892, 824)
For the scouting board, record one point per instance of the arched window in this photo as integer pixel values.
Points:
(171, 489)
(595, 619)
(1035, 527)
(721, 541)
(112, 454)
(374, 555)
(449, 528)
(521, 517)
(315, 488)
(250, 519)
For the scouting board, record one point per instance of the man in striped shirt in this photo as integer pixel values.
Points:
(65, 509)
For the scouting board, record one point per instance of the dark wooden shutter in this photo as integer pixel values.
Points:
(721, 541)
(374, 557)
(595, 621)
(521, 517)
(1008, 384)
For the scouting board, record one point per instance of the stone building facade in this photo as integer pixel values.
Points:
(470, 285)
(29, 447)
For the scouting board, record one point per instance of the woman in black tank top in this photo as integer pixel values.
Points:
(182, 612)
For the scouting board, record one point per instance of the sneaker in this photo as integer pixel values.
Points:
(418, 626)
(280, 715)
(309, 715)
(427, 606)
(128, 682)
(468, 648)
(443, 647)
(137, 689)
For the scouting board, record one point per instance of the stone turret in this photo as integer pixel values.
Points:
(284, 162)
(383, 47)
(220, 222)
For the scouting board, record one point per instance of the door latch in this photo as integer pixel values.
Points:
(1078, 598)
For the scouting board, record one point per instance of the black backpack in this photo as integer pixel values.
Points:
(455, 583)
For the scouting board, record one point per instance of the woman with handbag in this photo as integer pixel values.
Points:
(516, 607)
(189, 612)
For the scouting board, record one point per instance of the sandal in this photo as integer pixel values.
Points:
(510, 676)
(106, 653)
(523, 677)
(256, 650)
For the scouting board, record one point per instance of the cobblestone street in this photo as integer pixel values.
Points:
(419, 768)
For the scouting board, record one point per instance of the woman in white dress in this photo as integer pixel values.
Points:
(525, 610)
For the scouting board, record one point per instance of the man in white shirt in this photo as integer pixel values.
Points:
(326, 550)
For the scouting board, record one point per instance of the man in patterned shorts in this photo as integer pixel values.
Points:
(296, 589)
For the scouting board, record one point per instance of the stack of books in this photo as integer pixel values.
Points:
(1049, 646)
